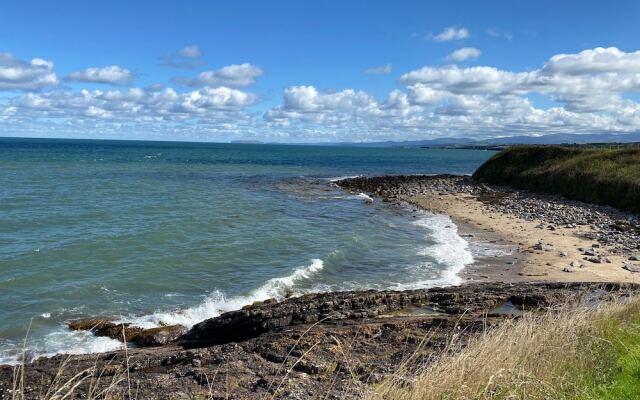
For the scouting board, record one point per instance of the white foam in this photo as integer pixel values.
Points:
(449, 249)
(365, 197)
(217, 303)
(61, 341)
(341, 178)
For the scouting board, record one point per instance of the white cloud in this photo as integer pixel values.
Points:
(463, 54)
(111, 74)
(16, 74)
(595, 61)
(381, 70)
(466, 80)
(188, 57)
(590, 91)
(236, 75)
(478, 101)
(451, 33)
(192, 51)
(134, 104)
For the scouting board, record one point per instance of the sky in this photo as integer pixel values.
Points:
(322, 71)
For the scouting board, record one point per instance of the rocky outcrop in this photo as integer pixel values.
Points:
(259, 318)
(332, 345)
(126, 333)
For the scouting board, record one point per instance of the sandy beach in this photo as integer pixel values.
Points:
(550, 262)
(559, 240)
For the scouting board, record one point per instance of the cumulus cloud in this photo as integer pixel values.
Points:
(134, 104)
(112, 74)
(381, 70)
(479, 101)
(188, 57)
(16, 74)
(465, 53)
(451, 33)
(589, 91)
(236, 75)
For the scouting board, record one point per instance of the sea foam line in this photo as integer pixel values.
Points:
(449, 249)
(217, 303)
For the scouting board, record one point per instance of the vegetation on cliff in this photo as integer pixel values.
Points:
(607, 176)
(577, 353)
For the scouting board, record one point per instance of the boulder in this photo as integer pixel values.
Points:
(159, 336)
(124, 332)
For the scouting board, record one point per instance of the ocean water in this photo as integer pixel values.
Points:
(159, 232)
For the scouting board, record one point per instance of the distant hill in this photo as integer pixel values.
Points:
(558, 138)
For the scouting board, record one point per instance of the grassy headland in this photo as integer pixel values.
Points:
(577, 353)
(606, 176)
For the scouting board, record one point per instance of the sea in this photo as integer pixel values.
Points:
(156, 233)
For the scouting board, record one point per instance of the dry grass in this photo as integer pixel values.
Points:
(567, 354)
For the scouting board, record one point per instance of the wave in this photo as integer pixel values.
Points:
(64, 341)
(217, 302)
(448, 249)
(341, 178)
(365, 197)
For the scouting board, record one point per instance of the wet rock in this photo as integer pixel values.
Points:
(126, 333)
(103, 327)
(159, 336)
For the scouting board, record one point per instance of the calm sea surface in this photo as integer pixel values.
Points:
(159, 232)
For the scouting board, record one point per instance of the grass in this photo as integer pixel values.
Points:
(575, 353)
(607, 176)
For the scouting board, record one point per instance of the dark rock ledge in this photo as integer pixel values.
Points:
(331, 345)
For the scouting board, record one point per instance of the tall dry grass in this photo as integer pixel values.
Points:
(563, 354)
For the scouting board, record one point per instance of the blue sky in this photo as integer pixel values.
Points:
(317, 71)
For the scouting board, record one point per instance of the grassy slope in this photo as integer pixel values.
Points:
(577, 353)
(596, 175)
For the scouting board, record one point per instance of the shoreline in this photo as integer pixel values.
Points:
(343, 342)
(559, 240)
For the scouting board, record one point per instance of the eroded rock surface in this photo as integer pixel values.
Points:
(333, 345)
(127, 333)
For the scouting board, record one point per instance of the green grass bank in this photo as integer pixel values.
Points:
(606, 176)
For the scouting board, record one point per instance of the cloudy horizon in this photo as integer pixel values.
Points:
(461, 85)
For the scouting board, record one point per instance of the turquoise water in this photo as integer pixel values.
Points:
(153, 232)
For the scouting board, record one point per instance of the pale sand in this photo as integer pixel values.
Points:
(520, 236)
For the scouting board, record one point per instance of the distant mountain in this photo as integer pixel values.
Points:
(558, 138)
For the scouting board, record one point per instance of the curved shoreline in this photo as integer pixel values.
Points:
(315, 339)
(552, 239)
